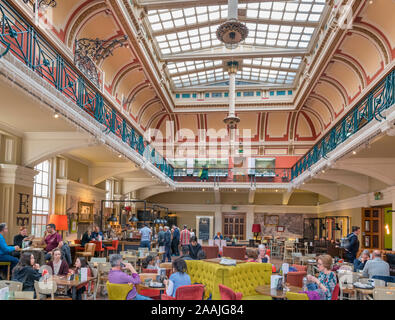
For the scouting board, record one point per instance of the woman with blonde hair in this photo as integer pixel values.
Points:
(326, 281)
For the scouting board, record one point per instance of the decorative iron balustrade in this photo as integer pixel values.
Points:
(18, 37)
(371, 107)
(228, 175)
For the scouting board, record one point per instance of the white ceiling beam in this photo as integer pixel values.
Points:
(269, 53)
(175, 4)
(244, 19)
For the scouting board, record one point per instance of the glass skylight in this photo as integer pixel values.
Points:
(272, 24)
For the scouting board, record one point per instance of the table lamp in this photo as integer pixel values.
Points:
(256, 229)
(60, 222)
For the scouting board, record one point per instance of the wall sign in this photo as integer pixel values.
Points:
(23, 203)
(22, 221)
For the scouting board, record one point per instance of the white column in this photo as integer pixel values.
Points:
(232, 94)
(218, 219)
(249, 222)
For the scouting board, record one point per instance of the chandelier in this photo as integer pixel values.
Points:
(42, 4)
(232, 32)
(88, 52)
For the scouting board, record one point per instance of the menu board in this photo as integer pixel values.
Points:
(204, 228)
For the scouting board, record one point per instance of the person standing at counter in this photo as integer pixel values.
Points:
(145, 241)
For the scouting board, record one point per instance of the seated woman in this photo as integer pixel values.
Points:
(80, 262)
(178, 278)
(59, 266)
(359, 264)
(26, 271)
(326, 281)
(151, 262)
(263, 257)
(86, 237)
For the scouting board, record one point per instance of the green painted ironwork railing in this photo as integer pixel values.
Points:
(371, 107)
(19, 38)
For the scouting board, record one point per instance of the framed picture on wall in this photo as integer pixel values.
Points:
(280, 228)
(85, 212)
(271, 220)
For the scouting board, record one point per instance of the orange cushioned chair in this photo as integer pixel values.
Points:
(295, 278)
(114, 247)
(191, 292)
(238, 253)
(80, 248)
(99, 248)
(211, 251)
(228, 294)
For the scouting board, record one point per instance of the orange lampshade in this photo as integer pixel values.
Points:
(256, 228)
(60, 221)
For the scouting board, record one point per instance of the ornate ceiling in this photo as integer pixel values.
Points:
(308, 73)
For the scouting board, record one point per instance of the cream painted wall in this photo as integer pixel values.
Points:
(303, 199)
(184, 198)
(189, 218)
(346, 192)
(6, 140)
(76, 170)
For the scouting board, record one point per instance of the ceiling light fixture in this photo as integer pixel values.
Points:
(354, 152)
(56, 116)
(232, 32)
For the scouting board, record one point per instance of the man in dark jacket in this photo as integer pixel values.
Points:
(167, 244)
(175, 241)
(194, 248)
(353, 246)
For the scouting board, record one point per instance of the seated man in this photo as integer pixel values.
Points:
(360, 263)
(116, 275)
(185, 253)
(376, 266)
(5, 250)
(52, 239)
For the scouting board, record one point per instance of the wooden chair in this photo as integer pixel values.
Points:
(102, 277)
(289, 249)
(88, 252)
(43, 289)
(8, 265)
(12, 285)
(346, 279)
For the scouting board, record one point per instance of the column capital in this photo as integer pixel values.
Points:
(14, 174)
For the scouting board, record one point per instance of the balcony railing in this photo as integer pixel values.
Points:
(227, 175)
(21, 39)
(371, 107)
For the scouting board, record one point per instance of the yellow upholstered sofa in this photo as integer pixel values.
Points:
(207, 273)
(244, 277)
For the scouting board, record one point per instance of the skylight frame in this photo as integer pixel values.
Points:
(196, 32)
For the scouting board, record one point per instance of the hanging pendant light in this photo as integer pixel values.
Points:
(133, 219)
